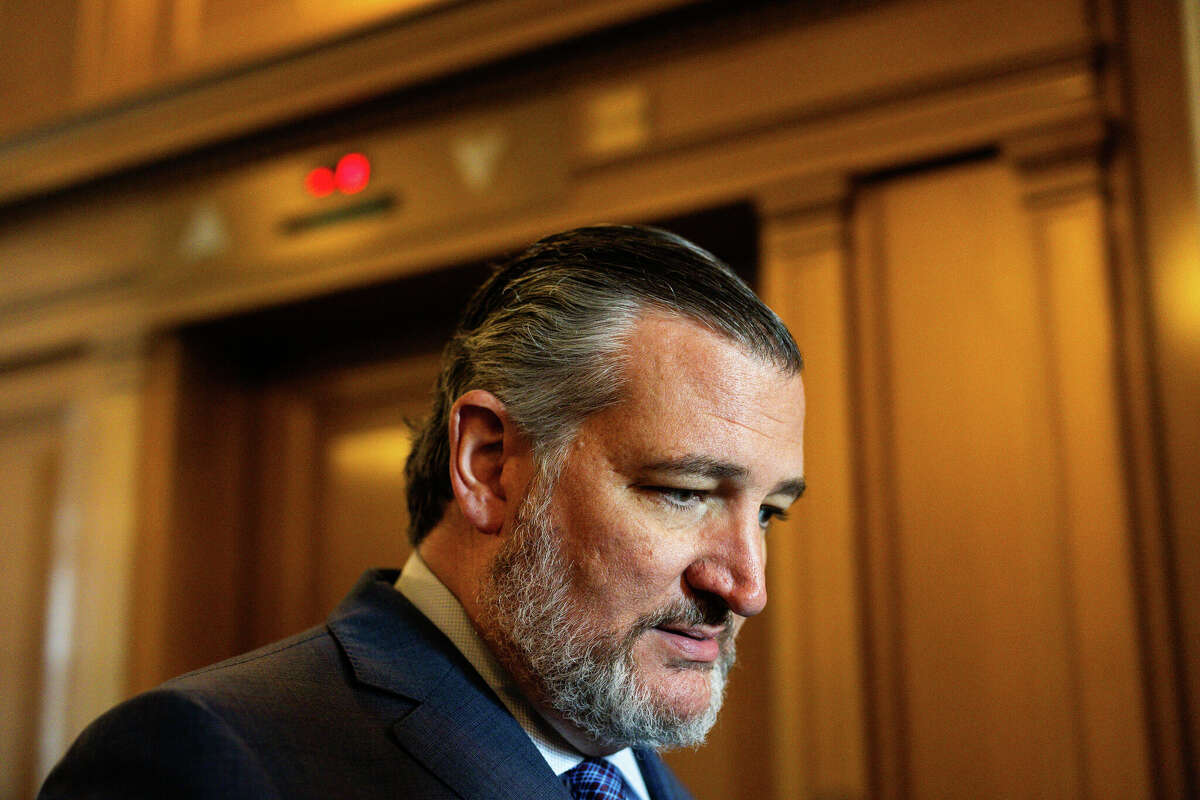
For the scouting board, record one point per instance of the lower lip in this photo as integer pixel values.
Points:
(704, 650)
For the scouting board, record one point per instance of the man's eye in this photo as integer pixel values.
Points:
(680, 498)
(768, 513)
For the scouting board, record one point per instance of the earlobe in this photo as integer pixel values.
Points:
(480, 440)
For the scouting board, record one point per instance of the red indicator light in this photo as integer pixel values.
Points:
(353, 173)
(320, 182)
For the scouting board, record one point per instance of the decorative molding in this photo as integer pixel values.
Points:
(795, 167)
(204, 111)
(805, 215)
(1059, 162)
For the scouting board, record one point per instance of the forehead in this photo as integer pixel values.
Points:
(691, 391)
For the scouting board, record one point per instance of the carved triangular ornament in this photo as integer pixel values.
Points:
(205, 235)
(476, 157)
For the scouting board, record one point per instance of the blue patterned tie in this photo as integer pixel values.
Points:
(594, 779)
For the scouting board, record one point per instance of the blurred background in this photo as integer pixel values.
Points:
(233, 236)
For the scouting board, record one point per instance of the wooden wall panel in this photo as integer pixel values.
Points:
(988, 587)
(89, 607)
(818, 734)
(330, 500)
(808, 66)
(192, 572)
(223, 34)
(68, 444)
(30, 456)
(1160, 89)
(1065, 208)
(37, 62)
(364, 514)
(286, 506)
(176, 111)
(122, 50)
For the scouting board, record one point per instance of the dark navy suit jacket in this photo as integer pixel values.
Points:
(375, 704)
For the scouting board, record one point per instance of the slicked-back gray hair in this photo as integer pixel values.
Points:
(546, 332)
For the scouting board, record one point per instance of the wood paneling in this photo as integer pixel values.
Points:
(37, 62)
(183, 114)
(332, 503)
(282, 593)
(1000, 579)
(980, 641)
(814, 66)
(1160, 88)
(225, 34)
(67, 443)
(30, 461)
(192, 576)
(123, 261)
(1066, 211)
(817, 729)
(123, 50)
(954, 607)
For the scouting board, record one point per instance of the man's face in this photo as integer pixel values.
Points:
(621, 590)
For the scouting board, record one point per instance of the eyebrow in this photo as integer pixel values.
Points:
(794, 487)
(715, 469)
(699, 465)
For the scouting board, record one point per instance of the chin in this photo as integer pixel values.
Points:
(684, 691)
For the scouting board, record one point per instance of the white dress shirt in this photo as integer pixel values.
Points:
(439, 605)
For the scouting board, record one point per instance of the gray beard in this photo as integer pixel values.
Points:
(587, 675)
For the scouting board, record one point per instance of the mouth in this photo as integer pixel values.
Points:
(699, 643)
(697, 632)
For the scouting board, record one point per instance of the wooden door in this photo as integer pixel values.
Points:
(331, 498)
(959, 576)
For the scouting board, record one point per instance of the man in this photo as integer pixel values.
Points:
(617, 421)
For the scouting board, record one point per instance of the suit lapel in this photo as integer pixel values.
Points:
(661, 783)
(474, 745)
(458, 729)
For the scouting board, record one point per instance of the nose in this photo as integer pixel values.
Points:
(733, 567)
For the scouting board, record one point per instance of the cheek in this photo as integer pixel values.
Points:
(617, 557)
(622, 557)
(607, 551)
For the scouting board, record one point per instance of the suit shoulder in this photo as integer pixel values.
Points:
(296, 654)
(162, 743)
(283, 692)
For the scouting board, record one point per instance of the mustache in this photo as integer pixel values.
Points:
(700, 609)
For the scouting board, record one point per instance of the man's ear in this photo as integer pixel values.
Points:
(482, 439)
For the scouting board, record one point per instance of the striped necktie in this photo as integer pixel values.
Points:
(595, 779)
